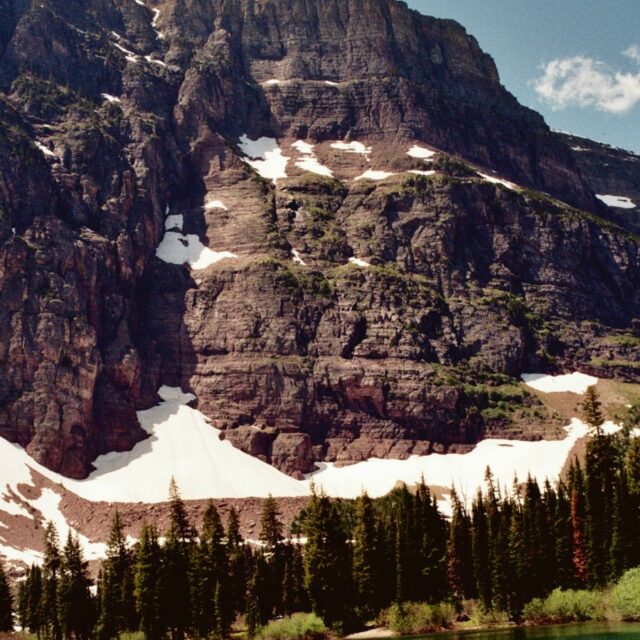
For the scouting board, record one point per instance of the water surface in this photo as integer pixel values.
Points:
(588, 631)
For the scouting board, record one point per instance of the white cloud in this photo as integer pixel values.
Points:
(633, 52)
(585, 82)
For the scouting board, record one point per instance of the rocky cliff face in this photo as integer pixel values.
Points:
(610, 171)
(385, 316)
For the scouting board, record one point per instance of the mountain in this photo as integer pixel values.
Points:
(325, 219)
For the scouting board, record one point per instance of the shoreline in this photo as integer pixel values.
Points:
(377, 633)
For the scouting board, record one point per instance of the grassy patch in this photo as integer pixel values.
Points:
(419, 617)
(565, 606)
(299, 626)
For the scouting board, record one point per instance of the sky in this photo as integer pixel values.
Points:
(577, 62)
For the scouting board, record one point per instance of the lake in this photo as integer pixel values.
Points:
(588, 631)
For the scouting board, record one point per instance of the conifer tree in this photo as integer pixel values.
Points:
(365, 575)
(578, 515)
(75, 603)
(591, 410)
(270, 525)
(253, 618)
(31, 609)
(176, 567)
(600, 481)
(632, 472)
(272, 540)
(624, 537)
(237, 555)
(516, 560)
(460, 565)
(116, 604)
(562, 536)
(327, 563)
(6, 603)
(50, 616)
(148, 574)
(481, 551)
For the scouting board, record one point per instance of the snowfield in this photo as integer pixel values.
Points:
(182, 444)
(176, 248)
(507, 459)
(309, 161)
(265, 156)
(352, 147)
(494, 180)
(423, 173)
(568, 383)
(421, 153)
(370, 174)
(358, 262)
(44, 149)
(619, 202)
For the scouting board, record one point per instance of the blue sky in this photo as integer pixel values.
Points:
(575, 61)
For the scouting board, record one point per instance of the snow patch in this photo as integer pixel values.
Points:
(358, 262)
(155, 61)
(215, 204)
(370, 174)
(181, 444)
(309, 161)
(49, 506)
(331, 83)
(421, 152)
(620, 202)
(465, 472)
(129, 55)
(567, 383)
(174, 222)
(26, 556)
(177, 248)
(296, 257)
(305, 148)
(352, 147)
(44, 149)
(109, 98)
(265, 156)
(154, 23)
(271, 82)
(423, 173)
(494, 180)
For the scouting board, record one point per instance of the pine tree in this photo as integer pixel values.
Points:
(74, 596)
(591, 410)
(365, 575)
(252, 616)
(624, 536)
(327, 563)
(632, 472)
(116, 605)
(50, 617)
(600, 475)
(481, 553)
(31, 610)
(272, 541)
(176, 567)
(460, 564)
(579, 537)
(236, 553)
(148, 574)
(6, 603)
(517, 558)
(562, 536)
(270, 525)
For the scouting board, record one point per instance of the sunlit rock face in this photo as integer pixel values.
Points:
(326, 220)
